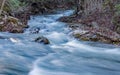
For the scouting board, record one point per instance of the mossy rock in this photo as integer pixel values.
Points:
(84, 39)
(94, 39)
(77, 35)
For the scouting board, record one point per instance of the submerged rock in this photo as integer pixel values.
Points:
(2, 37)
(43, 40)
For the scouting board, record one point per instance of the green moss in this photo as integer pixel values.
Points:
(117, 8)
(84, 39)
(77, 35)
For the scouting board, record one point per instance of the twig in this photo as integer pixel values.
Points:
(1, 9)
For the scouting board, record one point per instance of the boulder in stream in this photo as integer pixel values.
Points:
(42, 39)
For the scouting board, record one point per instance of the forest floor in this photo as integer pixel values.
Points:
(97, 27)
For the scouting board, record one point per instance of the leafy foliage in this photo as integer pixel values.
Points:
(117, 7)
(12, 5)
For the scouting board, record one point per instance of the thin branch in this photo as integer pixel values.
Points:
(1, 9)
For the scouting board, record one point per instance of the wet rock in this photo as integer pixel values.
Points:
(94, 33)
(17, 30)
(74, 26)
(96, 37)
(43, 40)
(2, 37)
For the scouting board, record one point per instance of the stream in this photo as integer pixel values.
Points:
(20, 55)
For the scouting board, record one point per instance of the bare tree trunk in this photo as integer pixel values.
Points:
(85, 7)
(80, 7)
(1, 9)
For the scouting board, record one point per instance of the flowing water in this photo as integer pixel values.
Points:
(20, 55)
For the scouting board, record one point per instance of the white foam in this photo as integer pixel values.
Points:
(40, 71)
(57, 62)
(14, 40)
(57, 38)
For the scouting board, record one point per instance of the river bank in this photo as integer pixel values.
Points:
(97, 27)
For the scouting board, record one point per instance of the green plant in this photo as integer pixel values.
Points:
(13, 4)
(117, 7)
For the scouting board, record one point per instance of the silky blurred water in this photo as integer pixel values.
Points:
(20, 55)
